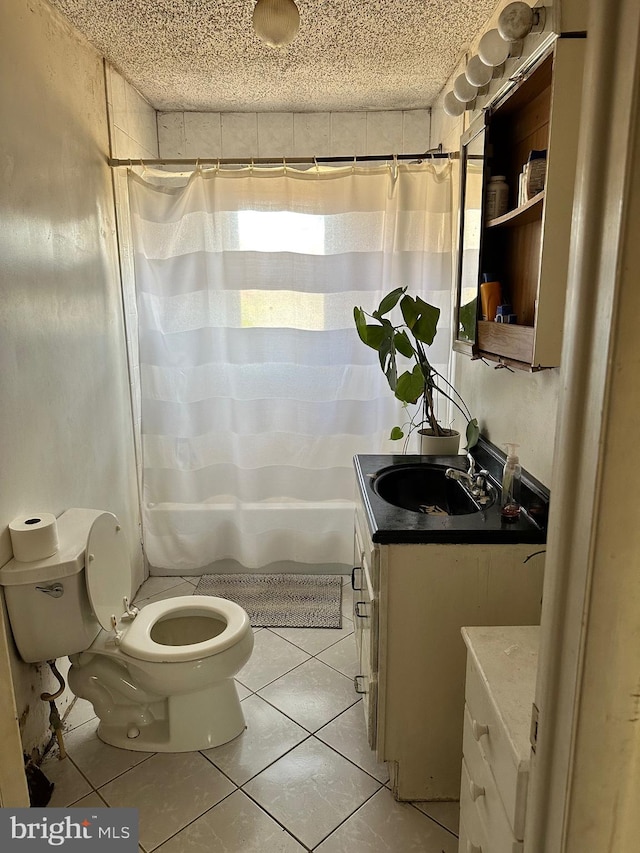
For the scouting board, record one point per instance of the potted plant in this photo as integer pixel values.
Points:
(421, 384)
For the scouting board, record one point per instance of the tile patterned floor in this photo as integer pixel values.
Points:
(300, 778)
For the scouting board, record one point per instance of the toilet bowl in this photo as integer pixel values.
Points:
(160, 678)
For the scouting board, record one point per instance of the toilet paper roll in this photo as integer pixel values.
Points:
(34, 537)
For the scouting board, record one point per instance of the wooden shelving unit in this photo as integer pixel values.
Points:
(528, 247)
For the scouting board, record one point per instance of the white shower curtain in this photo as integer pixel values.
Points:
(256, 391)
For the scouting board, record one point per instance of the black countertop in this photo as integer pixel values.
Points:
(389, 524)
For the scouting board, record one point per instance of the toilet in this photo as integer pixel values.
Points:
(161, 679)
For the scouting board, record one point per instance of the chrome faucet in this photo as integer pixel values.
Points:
(476, 481)
(457, 474)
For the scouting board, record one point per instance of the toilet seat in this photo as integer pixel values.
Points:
(137, 642)
(107, 569)
(108, 580)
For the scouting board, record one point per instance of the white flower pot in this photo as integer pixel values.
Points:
(439, 445)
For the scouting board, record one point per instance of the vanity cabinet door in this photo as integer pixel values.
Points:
(365, 616)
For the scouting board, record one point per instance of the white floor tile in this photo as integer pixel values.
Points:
(312, 694)
(154, 585)
(343, 656)
(311, 790)
(98, 761)
(269, 734)
(314, 640)
(236, 825)
(170, 790)
(347, 601)
(383, 825)
(91, 801)
(243, 691)
(348, 734)
(182, 588)
(446, 814)
(81, 712)
(193, 579)
(271, 657)
(69, 784)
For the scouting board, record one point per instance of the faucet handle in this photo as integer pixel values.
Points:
(472, 464)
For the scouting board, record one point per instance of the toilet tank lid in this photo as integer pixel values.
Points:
(73, 528)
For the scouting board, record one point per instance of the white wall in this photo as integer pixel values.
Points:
(65, 421)
(133, 130)
(277, 135)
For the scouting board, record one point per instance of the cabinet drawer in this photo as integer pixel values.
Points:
(486, 827)
(365, 617)
(495, 747)
(471, 841)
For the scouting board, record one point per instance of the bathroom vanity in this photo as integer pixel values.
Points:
(417, 580)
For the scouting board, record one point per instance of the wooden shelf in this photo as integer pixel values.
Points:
(506, 339)
(530, 211)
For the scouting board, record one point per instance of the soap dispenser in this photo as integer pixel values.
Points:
(511, 474)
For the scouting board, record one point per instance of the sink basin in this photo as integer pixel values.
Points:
(423, 488)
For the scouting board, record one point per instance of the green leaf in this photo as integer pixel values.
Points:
(396, 434)
(410, 385)
(387, 355)
(473, 433)
(361, 323)
(409, 310)
(389, 302)
(369, 334)
(426, 326)
(375, 336)
(403, 344)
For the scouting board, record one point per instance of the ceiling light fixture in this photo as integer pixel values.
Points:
(464, 90)
(493, 49)
(518, 19)
(477, 72)
(276, 22)
(453, 106)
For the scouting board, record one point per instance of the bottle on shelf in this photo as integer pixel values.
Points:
(497, 197)
(511, 475)
(490, 295)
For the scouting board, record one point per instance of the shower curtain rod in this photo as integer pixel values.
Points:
(435, 154)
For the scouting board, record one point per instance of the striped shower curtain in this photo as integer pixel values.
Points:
(256, 391)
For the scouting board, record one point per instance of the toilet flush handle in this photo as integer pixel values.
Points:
(55, 590)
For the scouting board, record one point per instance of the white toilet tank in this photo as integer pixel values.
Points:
(47, 600)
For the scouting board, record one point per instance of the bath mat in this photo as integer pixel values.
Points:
(281, 601)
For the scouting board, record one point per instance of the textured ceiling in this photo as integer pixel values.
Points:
(350, 55)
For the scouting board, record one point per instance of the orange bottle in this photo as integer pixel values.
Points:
(490, 296)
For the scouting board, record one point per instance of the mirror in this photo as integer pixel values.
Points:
(472, 161)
